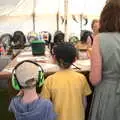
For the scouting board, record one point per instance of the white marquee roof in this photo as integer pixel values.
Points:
(25, 7)
(17, 14)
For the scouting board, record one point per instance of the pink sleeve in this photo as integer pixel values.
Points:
(96, 62)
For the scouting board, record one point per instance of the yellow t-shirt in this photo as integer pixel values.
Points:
(66, 89)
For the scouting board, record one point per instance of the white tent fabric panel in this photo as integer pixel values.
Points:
(88, 7)
(16, 7)
(11, 24)
(17, 14)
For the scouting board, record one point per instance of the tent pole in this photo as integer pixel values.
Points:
(33, 14)
(66, 19)
(81, 22)
(58, 15)
(58, 21)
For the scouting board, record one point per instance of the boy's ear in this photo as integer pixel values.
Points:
(75, 59)
(54, 58)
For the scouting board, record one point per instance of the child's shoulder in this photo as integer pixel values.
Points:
(79, 74)
(16, 98)
(45, 102)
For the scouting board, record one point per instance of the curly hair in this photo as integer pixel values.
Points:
(58, 37)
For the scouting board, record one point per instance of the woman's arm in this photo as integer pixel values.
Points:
(96, 62)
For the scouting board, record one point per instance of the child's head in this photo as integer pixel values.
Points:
(65, 54)
(58, 37)
(85, 34)
(27, 75)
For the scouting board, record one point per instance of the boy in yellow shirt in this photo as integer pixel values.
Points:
(66, 88)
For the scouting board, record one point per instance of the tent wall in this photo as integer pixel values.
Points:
(43, 23)
(11, 24)
(17, 15)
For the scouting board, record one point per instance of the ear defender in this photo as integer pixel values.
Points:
(15, 83)
(40, 79)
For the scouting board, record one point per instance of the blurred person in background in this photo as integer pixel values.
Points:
(95, 27)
